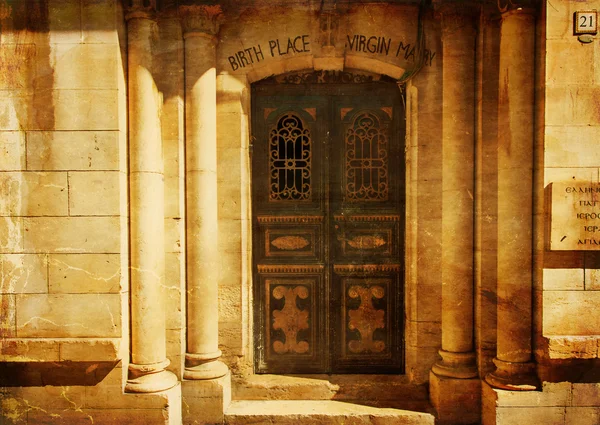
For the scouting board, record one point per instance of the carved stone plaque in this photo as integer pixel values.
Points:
(575, 216)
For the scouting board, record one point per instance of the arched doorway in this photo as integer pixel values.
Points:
(328, 224)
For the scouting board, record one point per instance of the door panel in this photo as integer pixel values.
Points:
(327, 178)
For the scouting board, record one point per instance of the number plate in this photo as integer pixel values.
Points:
(586, 22)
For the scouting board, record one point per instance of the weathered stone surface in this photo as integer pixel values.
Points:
(571, 146)
(586, 394)
(18, 61)
(573, 347)
(108, 394)
(12, 150)
(23, 273)
(8, 316)
(290, 412)
(457, 401)
(64, 21)
(97, 110)
(541, 415)
(205, 400)
(276, 387)
(563, 279)
(85, 66)
(570, 174)
(582, 416)
(563, 312)
(552, 394)
(174, 300)
(568, 62)
(72, 234)
(47, 398)
(72, 150)
(90, 350)
(99, 20)
(84, 273)
(94, 193)
(592, 279)
(68, 315)
(99, 417)
(29, 350)
(33, 194)
(59, 349)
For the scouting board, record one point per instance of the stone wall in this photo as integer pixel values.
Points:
(64, 288)
(566, 289)
(569, 294)
(62, 183)
(561, 403)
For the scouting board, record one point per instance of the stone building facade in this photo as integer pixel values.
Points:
(299, 212)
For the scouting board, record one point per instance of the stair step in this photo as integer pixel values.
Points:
(318, 412)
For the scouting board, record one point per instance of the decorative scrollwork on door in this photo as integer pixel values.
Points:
(290, 157)
(290, 319)
(366, 319)
(366, 172)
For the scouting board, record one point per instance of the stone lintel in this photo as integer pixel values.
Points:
(200, 20)
(457, 401)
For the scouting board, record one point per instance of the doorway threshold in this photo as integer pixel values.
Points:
(319, 412)
(384, 391)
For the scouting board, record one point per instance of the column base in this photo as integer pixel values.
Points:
(150, 378)
(204, 366)
(513, 376)
(456, 365)
(205, 401)
(456, 400)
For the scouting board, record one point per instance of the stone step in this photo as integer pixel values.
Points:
(318, 412)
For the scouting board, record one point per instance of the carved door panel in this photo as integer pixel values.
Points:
(327, 179)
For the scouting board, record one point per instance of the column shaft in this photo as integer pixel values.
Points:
(515, 203)
(148, 340)
(201, 193)
(458, 123)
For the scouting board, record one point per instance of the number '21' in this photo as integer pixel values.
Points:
(584, 21)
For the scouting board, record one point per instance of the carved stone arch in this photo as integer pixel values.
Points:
(309, 62)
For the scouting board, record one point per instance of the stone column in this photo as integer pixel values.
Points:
(454, 388)
(514, 366)
(200, 26)
(458, 126)
(146, 208)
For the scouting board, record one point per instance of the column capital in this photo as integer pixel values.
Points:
(457, 15)
(140, 9)
(200, 20)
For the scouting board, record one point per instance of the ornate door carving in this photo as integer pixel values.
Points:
(328, 218)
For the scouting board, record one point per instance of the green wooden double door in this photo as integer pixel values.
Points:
(328, 220)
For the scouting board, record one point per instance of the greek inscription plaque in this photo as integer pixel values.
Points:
(575, 220)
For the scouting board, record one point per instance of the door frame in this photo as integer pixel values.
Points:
(401, 258)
